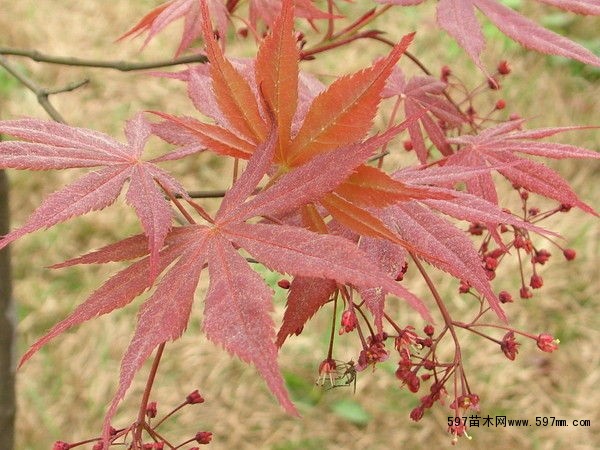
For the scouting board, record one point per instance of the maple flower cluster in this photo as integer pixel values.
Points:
(314, 202)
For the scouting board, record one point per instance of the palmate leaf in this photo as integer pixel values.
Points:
(56, 146)
(336, 121)
(344, 112)
(161, 16)
(496, 147)
(457, 17)
(269, 10)
(237, 304)
(423, 96)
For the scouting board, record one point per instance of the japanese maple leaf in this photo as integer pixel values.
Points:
(497, 146)
(237, 304)
(457, 17)
(161, 16)
(50, 145)
(340, 115)
(269, 10)
(424, 95)
(432, 234)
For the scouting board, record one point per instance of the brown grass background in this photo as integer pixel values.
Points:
(63, 391)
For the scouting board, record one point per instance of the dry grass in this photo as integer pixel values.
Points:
(63, 391)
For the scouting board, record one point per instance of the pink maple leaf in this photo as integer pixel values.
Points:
(422, 96)
(497, 146)
(161, 16)
(237, 304)
(49, 145)
(457, 18)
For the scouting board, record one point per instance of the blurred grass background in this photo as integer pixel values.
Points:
(64, 390)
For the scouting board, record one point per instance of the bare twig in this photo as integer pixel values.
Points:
(41, 93)
(123, 66)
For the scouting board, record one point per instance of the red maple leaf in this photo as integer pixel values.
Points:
(52, 145)
(497, 146)
(338, 116)
(422, 96)
(458, 18)
(161, 16)
(237, 304)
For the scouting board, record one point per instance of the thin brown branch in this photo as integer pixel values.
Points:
(41, 93)
(123, 66)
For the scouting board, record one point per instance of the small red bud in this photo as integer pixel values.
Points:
(194, 398)
(349, 321)
(427, 342)
(536, 281)
(503, 68)
(151, 410)
(547, 343)
(408, 145)
(429, 364)
(243, 32)
(500, 104)
(60, 445)
(284, 284)
(509, 345)
(429, 330)
(491, 263)
(525, 292)
(417, 413)
(541, 257)
(203, 437)
(505, 297)
(570, 254)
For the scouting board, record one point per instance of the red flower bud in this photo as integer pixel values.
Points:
(194, 397)
(151, 410)
(505, 297)
(509, 345)
(570, 254)
(503, 68)
(417, 413)
(203, 437)
(541, 257)
(547, 343)
(525, 292)
(536, 281)
(60, 445)
(349, 321)
(284, 284)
